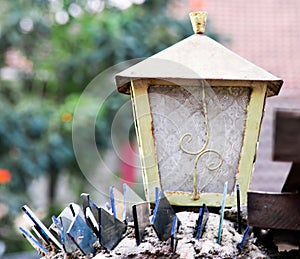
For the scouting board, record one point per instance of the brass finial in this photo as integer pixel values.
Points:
(198, 20)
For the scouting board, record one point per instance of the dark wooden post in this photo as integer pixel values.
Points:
(281, 210)
(287, 146)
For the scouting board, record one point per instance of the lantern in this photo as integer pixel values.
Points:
(198, 109)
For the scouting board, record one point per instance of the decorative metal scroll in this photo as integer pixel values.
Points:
(202, 151)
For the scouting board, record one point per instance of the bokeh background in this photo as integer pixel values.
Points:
(52, 49)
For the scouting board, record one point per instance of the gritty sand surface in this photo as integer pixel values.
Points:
(187, 247)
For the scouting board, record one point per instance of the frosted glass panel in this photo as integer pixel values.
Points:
(198, 127)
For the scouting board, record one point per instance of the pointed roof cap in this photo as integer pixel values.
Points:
(197, 57)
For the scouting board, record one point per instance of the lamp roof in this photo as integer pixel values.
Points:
(197, 57)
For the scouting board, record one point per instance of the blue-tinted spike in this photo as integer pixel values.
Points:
(93, 204)
(62, 232)
(156, 194)
(107, 206)
(240, 245)
(34, 242)
(198, 224)
(173, 231)
(112, 201)
(174, 225)
(222, 213)
(40, 227)
(201, 222)
(156, 205)
(58, 223)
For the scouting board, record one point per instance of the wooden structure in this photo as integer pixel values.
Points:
(281, 210)
(198, 108)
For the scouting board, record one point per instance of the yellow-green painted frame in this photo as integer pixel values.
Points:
(147, 149)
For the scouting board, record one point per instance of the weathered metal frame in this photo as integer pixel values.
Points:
(147, 149)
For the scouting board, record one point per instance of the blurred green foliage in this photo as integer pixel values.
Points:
(56, 59)
(49, 52)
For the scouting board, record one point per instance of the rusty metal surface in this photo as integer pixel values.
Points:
(198, 20)
(197, 57)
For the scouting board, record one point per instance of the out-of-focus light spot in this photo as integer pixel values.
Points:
(75, 10)
(123, 4)
(66, 117)
(8, 73)
(62, 17)
(26, 25)
(137, 1)
(95, 6)
(56, 5)
(5, 176)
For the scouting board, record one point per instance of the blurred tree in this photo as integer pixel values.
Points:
(70, 42)
(49, 51)
(53, 49)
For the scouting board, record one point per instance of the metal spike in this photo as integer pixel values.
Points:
(162, 219)
(141, 220)
(33, 241)
(111, 229)
(222, 213)
(201, 222)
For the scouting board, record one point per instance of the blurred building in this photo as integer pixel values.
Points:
(264, 32)
(267, 34)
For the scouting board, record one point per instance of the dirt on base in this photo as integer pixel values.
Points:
(187, 246)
